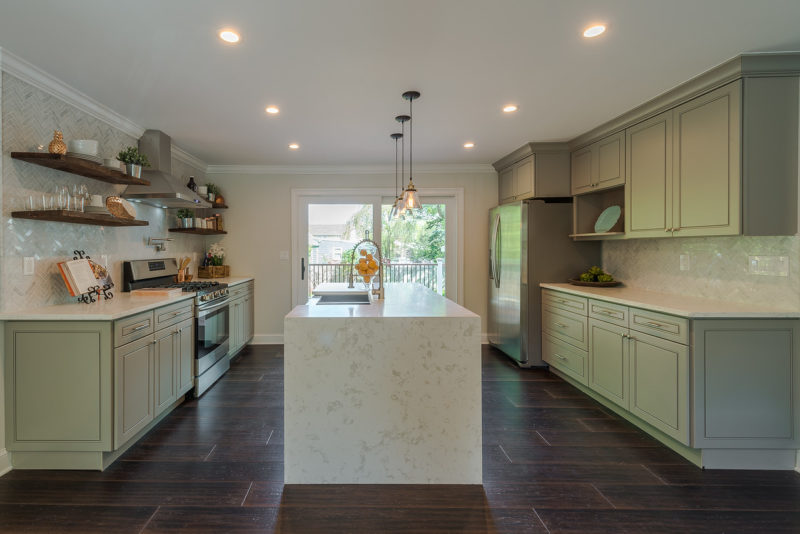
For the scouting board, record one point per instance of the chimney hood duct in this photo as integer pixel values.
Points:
(164, 191)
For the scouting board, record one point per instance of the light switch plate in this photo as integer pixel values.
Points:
(284, 255)
(768, 265)
(684, 262)
(28, 266)
(104, 260)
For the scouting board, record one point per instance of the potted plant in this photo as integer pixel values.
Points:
(133, 160)
(213, 191)
(185, 216)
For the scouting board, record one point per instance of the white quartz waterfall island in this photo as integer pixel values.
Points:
(384, 393)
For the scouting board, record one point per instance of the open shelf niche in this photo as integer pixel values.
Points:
(587, 208)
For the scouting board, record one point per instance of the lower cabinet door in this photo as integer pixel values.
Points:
(184, 346)
(659, 384)
(566, 358)
(608, 361)
(133, 391)
(165, 391)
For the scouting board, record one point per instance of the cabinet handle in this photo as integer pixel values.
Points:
(606, 312)
(143, 325)
(153, 342)
(678, 229)
(562, 358)
(667, 229)
(560, 325)
(625, 336)
(654, 324)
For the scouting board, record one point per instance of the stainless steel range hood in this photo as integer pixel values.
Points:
(165, 190)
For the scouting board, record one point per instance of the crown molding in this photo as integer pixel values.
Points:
(443, 168)
(28, 73)
(184, 157)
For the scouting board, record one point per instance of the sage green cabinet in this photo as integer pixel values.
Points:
(706, 172)
(659, 384)
(648, 186)
(241, 316)
(536, 170)
(185, 358)
(517, 182)
(505, 183)
(598, 166)
(165, 366)
(58, 386)
(134, 398)
(608, 361)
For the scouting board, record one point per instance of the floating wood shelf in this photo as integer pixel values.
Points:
(77, 217)
(198, 231)
(596, 235)
(79, 166)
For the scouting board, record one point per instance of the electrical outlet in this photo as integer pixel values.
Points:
(768, 265)
(684, 262)
(28, 266)
(284, 255)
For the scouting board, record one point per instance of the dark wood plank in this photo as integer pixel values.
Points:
(689, 474)
(198, 231)
(79, 166)
(80, 519)
(544, 454)
(77, 217)
(755, 498)
(561, 473)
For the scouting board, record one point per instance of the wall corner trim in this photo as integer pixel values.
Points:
(193, 161)
(5, 462)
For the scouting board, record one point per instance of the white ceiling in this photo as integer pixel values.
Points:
(337, 68)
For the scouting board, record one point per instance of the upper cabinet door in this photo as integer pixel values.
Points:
(581, 171)
(610, 161)
(523, 179)
(648, 170)
(706, 164)
(505, 182)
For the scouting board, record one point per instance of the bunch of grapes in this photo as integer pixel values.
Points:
(596, 274)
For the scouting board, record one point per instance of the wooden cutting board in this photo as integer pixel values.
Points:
(157, 292)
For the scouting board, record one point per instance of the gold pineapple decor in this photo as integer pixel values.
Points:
(57, 145)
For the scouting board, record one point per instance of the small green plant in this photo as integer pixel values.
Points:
(212, 188)
(185, 213)
(132, 156)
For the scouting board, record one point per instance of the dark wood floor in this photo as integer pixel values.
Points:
(554, 461)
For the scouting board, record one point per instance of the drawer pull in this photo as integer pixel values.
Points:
(141, 326)
(606, 312)
(654, 324)
(560, 325)
(560, 357)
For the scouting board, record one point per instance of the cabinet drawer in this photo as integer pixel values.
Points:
(564, 301)
(566, 358)
(567, 327)
(241, 290)
(660, 325)
(610, 313)
(174, 313)
(133, 328)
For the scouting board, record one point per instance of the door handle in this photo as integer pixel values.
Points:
(497, 269)
(302, 268)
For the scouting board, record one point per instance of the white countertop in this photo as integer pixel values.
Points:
(122, 305)
(683, 306)
(402, 300)
(230, 280)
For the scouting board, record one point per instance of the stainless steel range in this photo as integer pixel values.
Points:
(210, 312)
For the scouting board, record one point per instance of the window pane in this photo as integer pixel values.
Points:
(414, 248)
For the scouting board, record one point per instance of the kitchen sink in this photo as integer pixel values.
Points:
(355, 298)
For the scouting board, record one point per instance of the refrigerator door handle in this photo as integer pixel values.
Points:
(497, 252)
(492, 245)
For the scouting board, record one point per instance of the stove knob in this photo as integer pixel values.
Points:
(204, 298)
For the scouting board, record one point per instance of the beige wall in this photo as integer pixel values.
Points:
(259, 228)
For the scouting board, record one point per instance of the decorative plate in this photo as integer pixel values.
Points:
(613, 283)
(607, 219)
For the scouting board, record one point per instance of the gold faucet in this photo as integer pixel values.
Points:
(380, 291)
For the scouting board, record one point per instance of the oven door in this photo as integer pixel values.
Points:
(211, 335)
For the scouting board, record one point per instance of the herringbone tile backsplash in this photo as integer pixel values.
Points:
(718, 267)
(29, 117)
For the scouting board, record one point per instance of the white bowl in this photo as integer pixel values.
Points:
(112, 163)
(82, 146)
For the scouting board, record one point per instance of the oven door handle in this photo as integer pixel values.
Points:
(205, 311)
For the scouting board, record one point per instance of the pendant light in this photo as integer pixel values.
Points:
(393, 212)
(410, 199)
(400, 210)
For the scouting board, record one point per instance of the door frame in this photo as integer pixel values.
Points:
(299, 226)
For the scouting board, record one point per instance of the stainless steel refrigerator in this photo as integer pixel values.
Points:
(529, 244)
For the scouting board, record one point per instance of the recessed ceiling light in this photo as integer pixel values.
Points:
(272, 110)
(511, 108)
(229, 36)
(294, 146)
(469, 145)
(594, 31)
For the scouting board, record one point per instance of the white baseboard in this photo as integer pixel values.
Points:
(5, 462)
(267, 339)
(484, 338)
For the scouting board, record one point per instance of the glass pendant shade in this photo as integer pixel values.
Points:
(410, 199)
